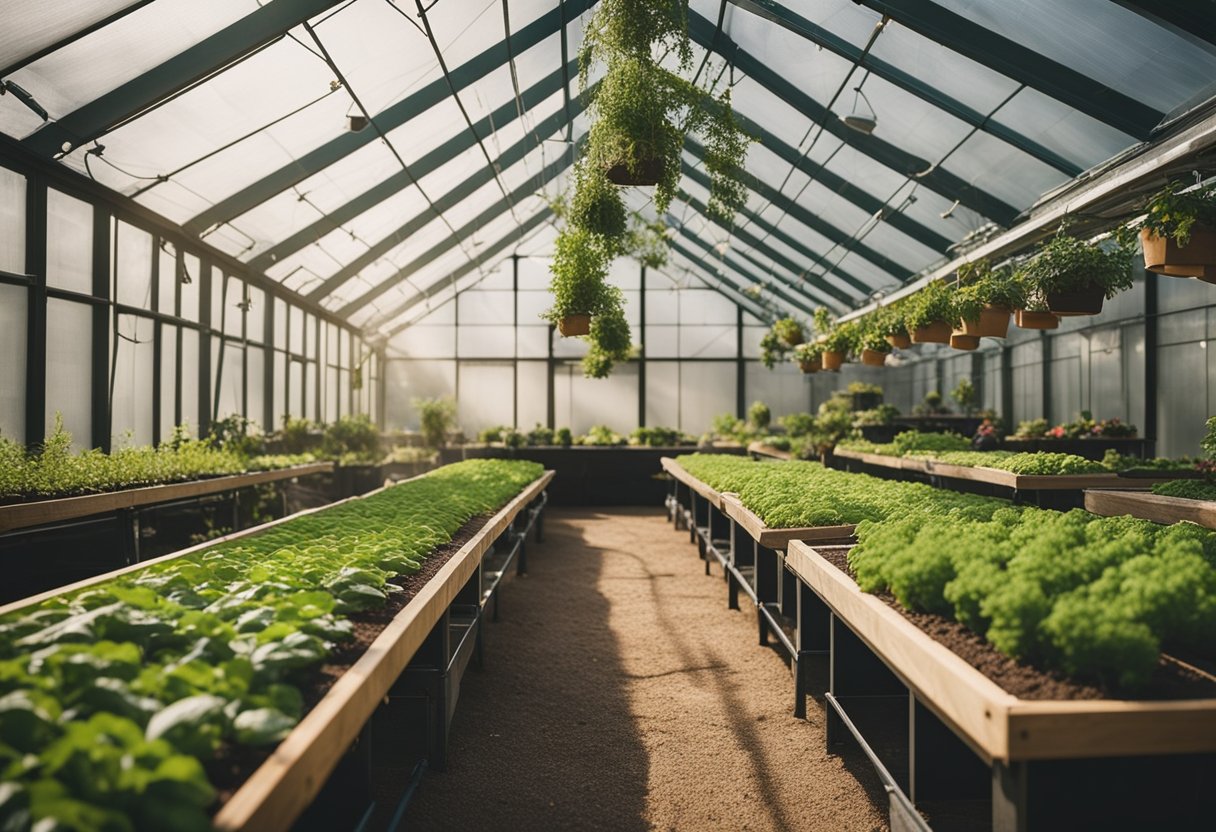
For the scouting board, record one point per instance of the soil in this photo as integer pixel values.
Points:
(234, 764)
(1023, 680)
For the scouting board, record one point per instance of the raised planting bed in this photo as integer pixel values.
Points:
(954, 745)
(1155, 507)
(37, 513)
(1090, 448)
(308, 621)
(622, 475)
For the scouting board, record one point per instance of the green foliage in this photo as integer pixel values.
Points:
(597, 206)
(352, 440)
(891, 320)
(659, 437)
(297, 436)
(580, 266)
(610, 339)
(914, 442)
(981, 286)
(797, 424)
(1173, 211)
(932, 304)
(237, 434)
(1127, 589)
(601, 435)
(884, 414)
(436, 417)
(1208, 443)
(513, 438)
(563, 437)
(1065, 263)
(491, 434)
(540, 435)
(964, 394)
(843, 337)
(112, 696)
(1187, 489)
(785, 335)
(759, 416)
(1032, 429)
(55, 471)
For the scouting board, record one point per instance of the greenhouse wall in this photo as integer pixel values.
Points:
(132, 333)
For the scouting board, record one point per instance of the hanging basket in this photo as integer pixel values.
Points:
(937, 332)
(900, 342)
(993, 322)
(793, 341)
(572, 325)
(812, 366)
(873, 358)
(962, 341)
(1087, 301)
(832, 359)
(649, 172)
(1196, 259)
(1035, 320)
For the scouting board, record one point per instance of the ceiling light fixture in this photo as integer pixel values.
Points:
(356, 122)
(859, 121)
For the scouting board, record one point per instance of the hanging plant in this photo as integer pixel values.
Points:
(789, 332)
(1034, 313)
(890, 324)
(930, 314)
(646, 242)
(985, 299)
(809, 356)
(1179, 233)
(840, 341)
(610, 338)
(1075, 276)
(580, 266)
(641, 112)
(597, 205)
(872, 343)
(784, 335)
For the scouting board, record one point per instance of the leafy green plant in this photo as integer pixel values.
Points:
(1068, 264)
(884, 414)
(237, 434)
(436, 418)
(491, 435)
(843, 337)
(982, 286)
(601, 435)
(297, 436)
(112, 697)
(1175, 210)
(610, 338)
(759, 416)
(580, 268)
(352, 440)
(659, 437)
(1032, 429)
(785, 335)
(806, 353)
(932, 304)
(597, 206)
(540, 435)
(1187, 489)
(964, 395)
(563, 437)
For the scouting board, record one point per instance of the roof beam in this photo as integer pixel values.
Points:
(788, 19)
(926, 173)
(387, 120)
(898, 271)
(471, 227)
(513, 237)
(824, 293)
(427, 164)
(1022, 64)
(211, 55)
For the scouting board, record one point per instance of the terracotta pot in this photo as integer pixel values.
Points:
(873, 358)
(650, 171)
(812, 366)
(1087, 301)
(900, 342)
(937, 332)
(1035, 320)
(572, 325)
(993, 322)
(962, 341)
(832, 359)
(1196, 259)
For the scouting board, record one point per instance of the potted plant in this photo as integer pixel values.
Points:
(1033, 313)
(985, 299)
(789, 332)
(873, 345)
(929, 314)
(641, 111)
(809, 356)
(1076, 276)
(1179, 233)
(893, 327)
(597, 205)
(962, 341)
(580, 266)
(838, 343)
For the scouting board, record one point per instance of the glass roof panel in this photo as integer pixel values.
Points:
(34, 25)
(994, 166)
(1059, 127)
(78, 73)
(1106, 42)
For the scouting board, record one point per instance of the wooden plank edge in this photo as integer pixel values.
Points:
(287, 782)
(35, 513)
(762, 449)
(944, 682)
(681, 473)
(1158, 508)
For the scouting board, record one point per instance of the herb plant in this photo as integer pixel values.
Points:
(1068, 264)
(1174, 211)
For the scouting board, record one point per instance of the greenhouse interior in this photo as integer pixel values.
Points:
(607, 414)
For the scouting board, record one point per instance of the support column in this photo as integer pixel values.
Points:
(35, 267)
(642, 352)
(1151, 330)
(101, 328)
(740, 367)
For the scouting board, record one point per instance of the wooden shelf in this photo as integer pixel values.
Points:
(1155, 507)
(781, 538)
(677, 471)
(997, 724)
(283, 786)
(26, 515)
(760, 449)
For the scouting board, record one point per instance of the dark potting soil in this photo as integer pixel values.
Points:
(1170, 681)
(233, 765)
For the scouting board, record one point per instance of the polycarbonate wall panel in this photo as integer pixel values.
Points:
(168, 381)
(189, 378)
(409, 380)
(12, 221)
(132, 265)
(69, 372)
(581, 403)
(13, 321)
(131, 406)
(69, 243)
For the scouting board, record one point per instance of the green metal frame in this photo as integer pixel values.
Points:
(211, 55)
(792, 21)
(388, 119)
(1022, 64)
(1194, 20)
